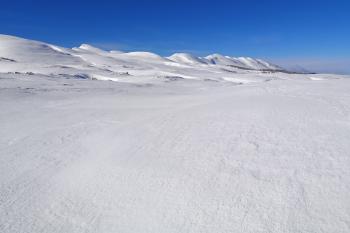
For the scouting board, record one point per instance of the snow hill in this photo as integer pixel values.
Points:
(28, 56)
(186, 58)
(24, 51)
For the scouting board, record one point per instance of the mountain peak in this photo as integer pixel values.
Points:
(90, 48)
(186, 58)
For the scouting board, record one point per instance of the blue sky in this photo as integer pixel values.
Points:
(313, 34)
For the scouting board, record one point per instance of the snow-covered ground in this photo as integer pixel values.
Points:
(177, 144)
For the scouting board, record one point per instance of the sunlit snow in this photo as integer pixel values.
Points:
(177, 144)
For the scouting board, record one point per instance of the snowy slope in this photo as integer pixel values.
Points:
(22, 50)
(91, 49)
(222, 60)
(168, 148)
(242, 62)
(21, 55)
(186, 58)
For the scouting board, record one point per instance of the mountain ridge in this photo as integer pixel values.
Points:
(30, 56)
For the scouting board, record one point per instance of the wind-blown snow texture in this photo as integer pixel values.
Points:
(178, 144)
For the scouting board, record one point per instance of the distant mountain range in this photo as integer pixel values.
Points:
(28, 56)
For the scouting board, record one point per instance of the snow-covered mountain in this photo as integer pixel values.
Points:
(24, 51)
(22, 55)
(186, 58)
(242, 62)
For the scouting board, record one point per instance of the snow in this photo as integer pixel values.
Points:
(168, 148)
(316, 78)
(185, 58)
(220, 59)
(241, 62)
(144, 55)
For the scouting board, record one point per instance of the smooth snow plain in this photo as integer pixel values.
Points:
(186, 147)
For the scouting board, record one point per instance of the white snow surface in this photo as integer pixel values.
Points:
(168, 148)
(187, 58)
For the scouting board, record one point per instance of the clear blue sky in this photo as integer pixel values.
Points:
(314, 34)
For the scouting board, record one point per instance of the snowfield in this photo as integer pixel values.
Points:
(214, 144)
